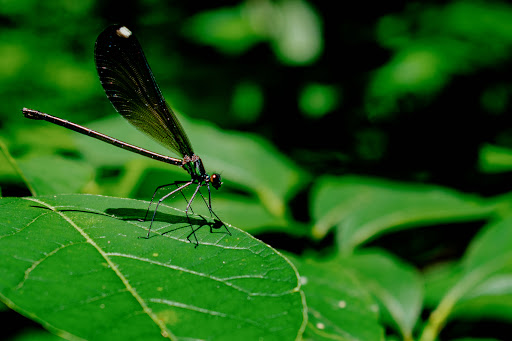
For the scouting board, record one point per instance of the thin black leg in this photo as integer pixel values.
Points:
(188, 183)
(209, 205)
(213, 213)
(186, 212)
(186, 200)
(185, 184)
(160, 187)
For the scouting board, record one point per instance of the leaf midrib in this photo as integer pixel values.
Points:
(164, 331)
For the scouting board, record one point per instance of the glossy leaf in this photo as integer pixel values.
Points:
(55, 175)
(75, 264)
(339, 305)
(397, 287)
(362, 208)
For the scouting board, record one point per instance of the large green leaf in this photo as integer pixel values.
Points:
(340, 307)
(363, 208)
(75, 264)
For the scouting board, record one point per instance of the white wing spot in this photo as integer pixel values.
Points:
(124, 32)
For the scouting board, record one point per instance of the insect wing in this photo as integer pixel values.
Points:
(131, 88)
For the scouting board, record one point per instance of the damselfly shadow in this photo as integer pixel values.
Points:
(133, 214)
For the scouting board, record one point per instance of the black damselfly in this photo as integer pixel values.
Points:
(131, 88)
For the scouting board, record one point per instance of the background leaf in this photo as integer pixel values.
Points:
(75, 264)
(55, 175)
(339, 308)
(481, 285)
(495, 159)
(396, 286)
(362, 208)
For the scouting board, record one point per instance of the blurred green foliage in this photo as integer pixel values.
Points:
(318, 99)
(292, 28)
(287, 99)
(458, 38)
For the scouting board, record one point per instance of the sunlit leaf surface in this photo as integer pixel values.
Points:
(339, 308)
(75, 264)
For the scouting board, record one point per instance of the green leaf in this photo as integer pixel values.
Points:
(362, 208)
(487, 274)
(481, 285)
(438, 281)
(343, 294)
(53, 174)
(495, 159)
(10, 170)
(339, 306)
(397, 287)
(75, 264)
(254, 218)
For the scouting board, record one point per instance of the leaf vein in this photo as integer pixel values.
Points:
(114, 267)
(205, 311)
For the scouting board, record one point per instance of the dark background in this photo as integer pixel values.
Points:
(410, 91)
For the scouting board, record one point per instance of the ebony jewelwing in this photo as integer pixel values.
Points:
(131, 88)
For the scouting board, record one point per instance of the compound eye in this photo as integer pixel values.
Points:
(215, 180)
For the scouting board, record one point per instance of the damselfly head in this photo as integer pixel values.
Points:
(215, 180)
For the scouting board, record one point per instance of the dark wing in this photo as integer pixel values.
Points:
(131, 88)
